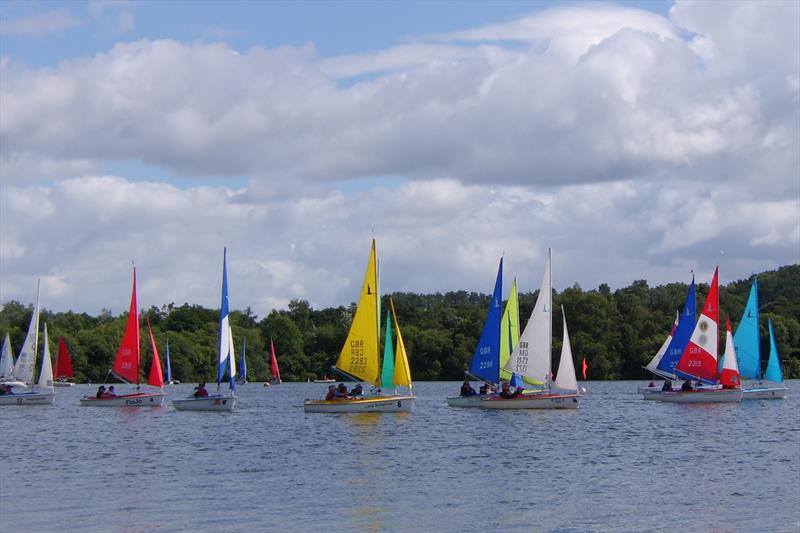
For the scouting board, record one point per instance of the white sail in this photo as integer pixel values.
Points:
(6, 360)
(46, 375)
(531, 357)
(565, 379)
(23, 368)
(231, 354)
(652, 366)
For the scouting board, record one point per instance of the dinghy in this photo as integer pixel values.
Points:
(226, 358)
(126, 368)
(360, 357)
(531, 360)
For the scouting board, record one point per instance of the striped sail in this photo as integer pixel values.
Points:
(680, 337)
(486, 358)
(773, 372)
(359, 356)
(746, 339)
(46, 374)
(126, 364)
(531, 357)
(226, 355)
(509, 330)
(699, 359)
(729, 376)
(6, 360)
(565, 379)
(402, 370)
(23, 367)
(387, 370)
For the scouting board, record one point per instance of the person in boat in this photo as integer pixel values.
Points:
(101, 392)
(467, 390)
(687, 385)
(651, 385)
(667, 386)
(341, 392)
(5, 389)
(331, 393)
(505, 392)
(200, 391)
(358, 390)
(519, 392)
(111, 392)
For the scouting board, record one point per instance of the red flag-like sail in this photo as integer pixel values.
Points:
(585, 368)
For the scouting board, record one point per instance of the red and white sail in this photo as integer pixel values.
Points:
(729, 378)
(699, 359)
(126, 364)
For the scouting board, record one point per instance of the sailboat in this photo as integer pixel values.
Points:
(126, 368)
(699, 359)
(63, 371)
(7, 366)
(168, 365)
(531, 360)
(242, 379)
(226, 358)
(273, 364)
(748, 354)
(42, 393)
(485, 363)
(360, 357)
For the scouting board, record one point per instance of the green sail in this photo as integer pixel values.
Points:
(509, 330)
(387, 371)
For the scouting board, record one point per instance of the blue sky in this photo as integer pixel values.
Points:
(639, 140)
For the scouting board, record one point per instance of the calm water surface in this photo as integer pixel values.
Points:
(616, 464)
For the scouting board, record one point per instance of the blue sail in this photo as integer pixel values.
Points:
(225, 341)
(773, 372)
(681, 336)
(169, 366)
(243, 362)
(485, 363)
(746, 338)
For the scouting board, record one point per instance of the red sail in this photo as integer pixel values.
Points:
(156, 378)
(63, 362)
(126, 365)
(273, 362)
(699, 359)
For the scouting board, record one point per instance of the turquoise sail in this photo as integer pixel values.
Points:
(773, 364)
(169, 366)
(746, 341)
(387, 370)
(485, 363)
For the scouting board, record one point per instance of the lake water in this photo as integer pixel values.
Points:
(616, 464)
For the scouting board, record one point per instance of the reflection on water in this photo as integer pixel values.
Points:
(271, 467)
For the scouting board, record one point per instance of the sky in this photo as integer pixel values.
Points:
(638, 140)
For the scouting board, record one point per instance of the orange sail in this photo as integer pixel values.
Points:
(156, 378)
(126, 365)
(63, 361)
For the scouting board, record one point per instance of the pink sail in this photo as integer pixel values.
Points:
(699, 359)
(126, 365)
(273, 363)
(63, 361)
(156, 378)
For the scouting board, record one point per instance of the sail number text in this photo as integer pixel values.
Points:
(358, 361)
(522, 358)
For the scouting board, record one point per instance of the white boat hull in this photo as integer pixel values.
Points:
(14, 383)
(209, 403)
(533, 401)
(62, 384)
(143, 399)
(765, 393)
(28, 398)
(465, 401)
(695, 396)
(375, 404)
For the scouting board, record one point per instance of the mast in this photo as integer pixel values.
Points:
(550, 315)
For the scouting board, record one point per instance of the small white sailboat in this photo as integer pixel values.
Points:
(360, 357)
(201, 400)
(42, 393)
(7, 366)
(126, 368)
(531, 360)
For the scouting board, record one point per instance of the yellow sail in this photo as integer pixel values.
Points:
(360, 356)
(402, 372)
(509, 330)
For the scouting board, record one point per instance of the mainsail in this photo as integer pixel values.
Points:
(6, 360)
(23, 367)
(486, 358)
(226, 353)
(273, 363)
(359, 356)
(699, 359)
(63, 362)
(565, 379)
(746, 338)
(126, 364)
(680, 337)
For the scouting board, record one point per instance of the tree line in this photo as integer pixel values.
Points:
(617, 332)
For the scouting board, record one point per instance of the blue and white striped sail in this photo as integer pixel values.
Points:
(226, 354)
(773, 372)
(680, 337)
(746, 339)
(169, 366)
(485, 363)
